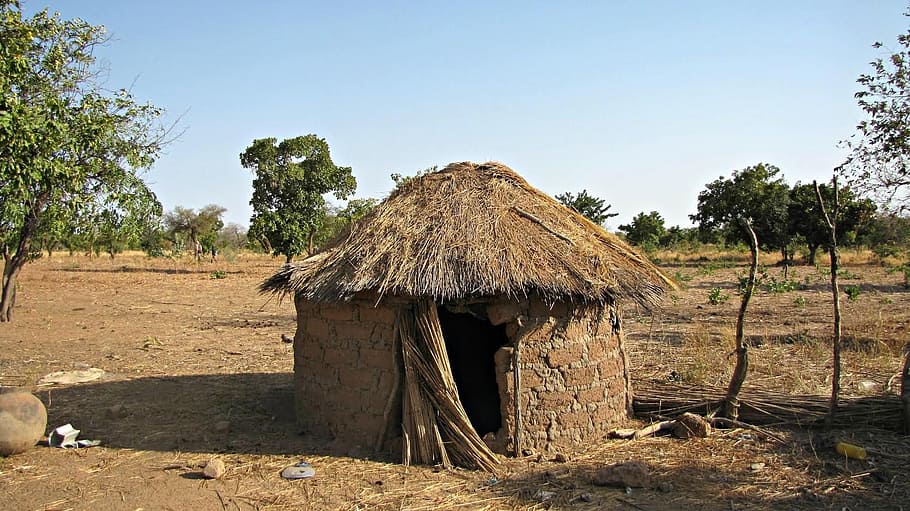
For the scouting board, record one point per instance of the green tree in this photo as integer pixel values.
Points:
(588, 205)
(681, 237)
(64, 139)
(291, 179)
(807, 222)
(645, 230)
(758, 194)
(233, 236)
(880, 149)
(401, 180)
(338, 219)
(199, 227)
(887, 235)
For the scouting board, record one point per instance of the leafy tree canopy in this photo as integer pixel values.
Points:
(757, 193)
(880, 150)
(588, 205)
(402, 180)
(645, 230)
(807, 222)
(198, 226)
(67, 145)
(291, 179)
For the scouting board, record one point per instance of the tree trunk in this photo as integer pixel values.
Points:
(287, 258)
(813, 250)
(905, 388)
(831, 220)
(730, 408)
(13, 264)
(10, 275)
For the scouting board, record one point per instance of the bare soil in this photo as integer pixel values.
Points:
(196, 369)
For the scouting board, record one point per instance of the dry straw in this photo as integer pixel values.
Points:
(473, 230)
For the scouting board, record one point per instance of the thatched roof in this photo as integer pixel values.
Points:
(473, 230)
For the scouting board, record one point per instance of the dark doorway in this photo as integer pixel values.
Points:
(471, 343)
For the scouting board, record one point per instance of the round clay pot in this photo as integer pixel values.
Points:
(23, 419)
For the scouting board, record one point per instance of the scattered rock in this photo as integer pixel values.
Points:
(689, 425)
(23, 419)
(755, 467)
(866, 386)
(118, 411)
(665, 486)
(214, 469)
(69, 377)
(586, 497)
(285, 338)
(222, 427)
(560, 458)
(543, 496)
(631, 474)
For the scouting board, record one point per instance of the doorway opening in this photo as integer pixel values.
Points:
(471, 342)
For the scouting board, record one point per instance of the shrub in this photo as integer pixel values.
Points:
(717, 297)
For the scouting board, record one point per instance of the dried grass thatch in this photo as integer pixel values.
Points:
(474, 230)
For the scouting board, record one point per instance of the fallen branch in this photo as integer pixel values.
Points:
(653, 429)
(539, 222)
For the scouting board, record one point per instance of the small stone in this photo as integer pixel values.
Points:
(222, 426)
(631, 474)
(755, 467)
(586, 497)
(665, 486)
(23, 419)
(118, 411)
(543, 495)
(214, 469)
(866, 385)
(560, 458)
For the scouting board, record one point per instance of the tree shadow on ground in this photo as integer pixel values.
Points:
(246, 413)
(169, 271)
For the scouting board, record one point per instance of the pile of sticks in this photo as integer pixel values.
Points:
(767, 408)
(436, 427)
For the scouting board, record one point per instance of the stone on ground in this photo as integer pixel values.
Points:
(631, 474)
(23, 419)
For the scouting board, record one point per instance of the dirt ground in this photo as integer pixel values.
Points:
(195, 368)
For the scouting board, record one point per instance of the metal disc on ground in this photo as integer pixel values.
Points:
(23, 419)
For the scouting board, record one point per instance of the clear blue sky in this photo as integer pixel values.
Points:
(640, 103)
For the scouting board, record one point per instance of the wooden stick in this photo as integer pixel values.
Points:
(516, 375)
(653, 429)
(905, 388)
(539, 222)
(738, 424)
(831, 220)
(396, 387)
(730, 408)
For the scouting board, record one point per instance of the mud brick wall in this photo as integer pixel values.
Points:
(574, 385)
(343, 369)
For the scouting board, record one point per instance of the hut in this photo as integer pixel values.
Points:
(467, 313)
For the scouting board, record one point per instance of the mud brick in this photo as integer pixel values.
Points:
(338, 312)
(353, 331)
(317, 329)
(379, 314)
(555, 400)
(580, 376)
